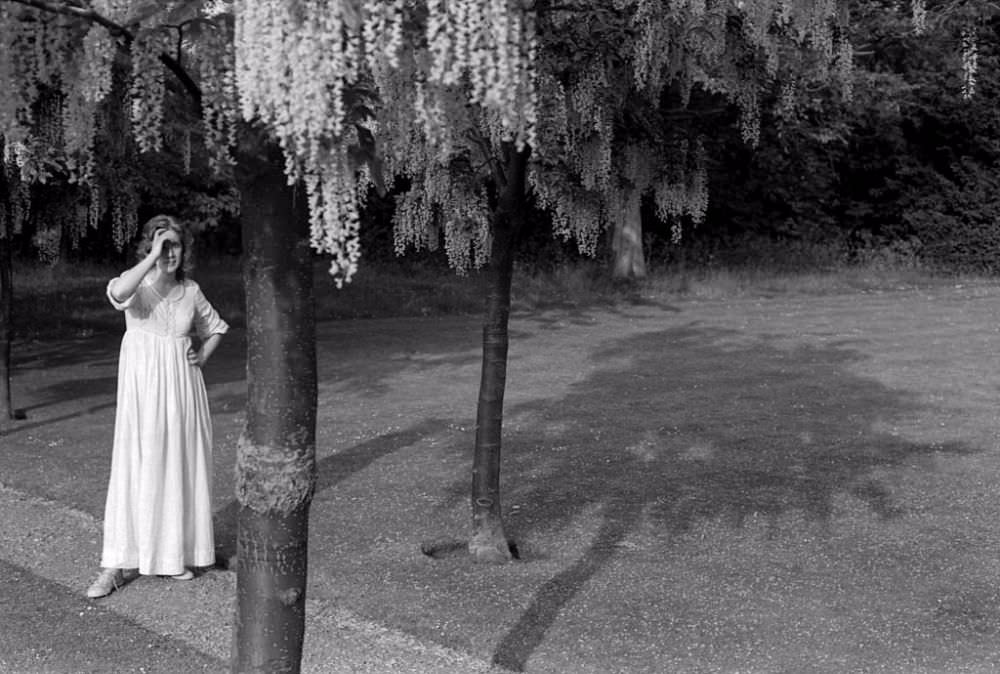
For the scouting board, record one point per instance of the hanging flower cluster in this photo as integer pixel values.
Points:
(216, 62)
(147, 89)
(577, 214)
(297, 63)
(654, 45)
(441, 203)
(970, 62)
(749, 104)
(125, 214)
(491, 44)
(292, 60)
(682, 189)
(919, 10)
(591, 131)
(95, 206)
(19, 199)
(58, 73)
(333, 217)
(33, 50)
(98, 57)
(552, 129)
(844, 63)
(685, 42)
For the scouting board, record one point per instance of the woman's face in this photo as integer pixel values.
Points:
(172, 254)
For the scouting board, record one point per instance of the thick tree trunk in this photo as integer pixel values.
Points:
(626, 243)
(488, 542)
(276, 460)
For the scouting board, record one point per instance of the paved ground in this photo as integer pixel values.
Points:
(49, 626)
(835, 513)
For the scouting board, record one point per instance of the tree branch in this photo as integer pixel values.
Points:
(483, 144)
(84, 13)
(119, 31)
(180, 42)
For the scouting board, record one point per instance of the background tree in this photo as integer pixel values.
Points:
(582, 78)
(595, 130)
(899, 174)
(7, 219)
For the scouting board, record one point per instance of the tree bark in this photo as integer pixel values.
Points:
(626, 242)
(276, 459)
(489, 542)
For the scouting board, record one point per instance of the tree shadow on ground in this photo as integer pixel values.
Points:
(99, 357)
(42, 355)
(329, 471)
(94, 355)
(73, 389)
(25, 426)
(688, 425)
(366, 355)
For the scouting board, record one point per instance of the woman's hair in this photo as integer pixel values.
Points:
(183, 231)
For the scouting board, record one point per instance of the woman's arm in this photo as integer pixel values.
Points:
(125, 285)
(201, 356)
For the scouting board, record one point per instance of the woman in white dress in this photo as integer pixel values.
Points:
(158, 514)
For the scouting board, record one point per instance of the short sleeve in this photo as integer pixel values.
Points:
(207, 321)
(120, 306)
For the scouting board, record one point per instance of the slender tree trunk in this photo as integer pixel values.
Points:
(6, 297)
(6, 323)
(276, 459)
(488, 542)
(626, 243)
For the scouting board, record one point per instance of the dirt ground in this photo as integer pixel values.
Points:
(787, 484)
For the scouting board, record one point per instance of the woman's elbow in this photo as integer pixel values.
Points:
(113, 292)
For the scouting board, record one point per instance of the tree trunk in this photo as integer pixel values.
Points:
(488, 542)
(276, 459)
(626, 242)
(6, 297)
(6, 322)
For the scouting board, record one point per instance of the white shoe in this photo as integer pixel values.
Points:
(107, 582)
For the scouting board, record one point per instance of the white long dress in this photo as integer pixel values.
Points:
(158, 515)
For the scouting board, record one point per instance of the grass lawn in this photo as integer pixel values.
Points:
(776, 477)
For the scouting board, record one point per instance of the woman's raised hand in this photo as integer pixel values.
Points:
(156, 246)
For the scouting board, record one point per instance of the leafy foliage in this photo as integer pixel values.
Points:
(103, 122)
(905, 165)
(617, 102)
